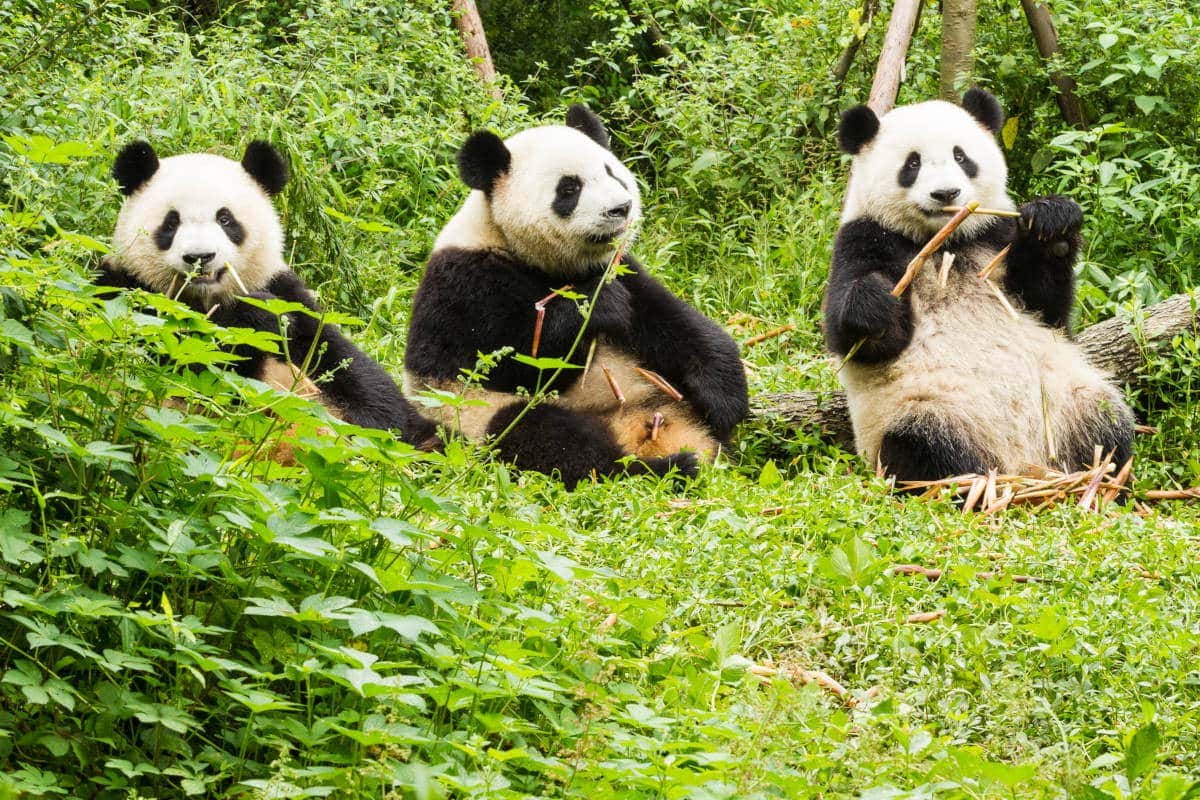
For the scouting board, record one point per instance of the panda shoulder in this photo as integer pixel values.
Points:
(287, 285)
(865, 235)
(112, 276)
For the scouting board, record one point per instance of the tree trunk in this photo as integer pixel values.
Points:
(470, 27)
(1047, 44)
(889, 71)
(1109, 345)
(842, 68)
(958, 43)
(654, 36)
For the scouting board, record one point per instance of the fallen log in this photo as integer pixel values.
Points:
(1115, 345)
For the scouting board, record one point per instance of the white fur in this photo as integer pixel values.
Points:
(932, 129)
(518, 219)
(198, 185)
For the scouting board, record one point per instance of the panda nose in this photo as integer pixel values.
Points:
(198, 259)
(621, 211)
(944, 195)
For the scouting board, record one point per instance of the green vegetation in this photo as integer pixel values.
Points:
(180, 618)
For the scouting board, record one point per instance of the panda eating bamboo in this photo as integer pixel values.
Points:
(201, 228)
(650, 378)
(961, 373)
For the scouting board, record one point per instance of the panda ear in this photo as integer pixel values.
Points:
(856, 129)
(482, 159)
(264, 163)
(983, 106)
(581, 118)
(134, 165)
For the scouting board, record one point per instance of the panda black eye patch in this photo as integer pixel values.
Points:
(964, 161)
(608, 169)
(229, 223)
(566, 195)
(908, 173)
(164, 234)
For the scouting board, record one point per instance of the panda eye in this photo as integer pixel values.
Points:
(959, 155)
(224, 218)
(569, 185)
(914, 162)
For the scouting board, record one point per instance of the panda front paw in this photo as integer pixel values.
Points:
(871, 322)
(1055, 220)
(613, 311)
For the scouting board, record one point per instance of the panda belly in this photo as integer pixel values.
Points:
(973, 368)
(631, 420)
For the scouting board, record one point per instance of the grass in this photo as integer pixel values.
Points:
(176, 619)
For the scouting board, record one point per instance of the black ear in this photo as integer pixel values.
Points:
(581, 118)
(264, 163)
(482, 159)
(983, 106)
(857, 128)
(134, 165)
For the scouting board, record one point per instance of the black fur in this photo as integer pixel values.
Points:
(983, 106)
(482, 159)
(265, 164)
(969, 167)
(133, 166)
(231, 225)
(857, 128)
(355, 384)
(868, 259)
(480, 301)
(927, 448)
(911, 169)
(581, 118)
(551, 439)
(566, 195)
(1040, 267)
(1109, 427)
(164, 234)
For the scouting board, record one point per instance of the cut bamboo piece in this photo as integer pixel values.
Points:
(995, 212)
(944, 273)
(660, 383)
(613, 385)
(996, 290)
(771, 334)
(986, 272)
(931, 247)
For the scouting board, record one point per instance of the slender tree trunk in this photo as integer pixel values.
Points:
(1047, 44)
(889, 72)
(1110, 345)
(470, 27)
(654, 36)
(958, 42)
(842, 68)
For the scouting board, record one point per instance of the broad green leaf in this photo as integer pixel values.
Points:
(1141, 752)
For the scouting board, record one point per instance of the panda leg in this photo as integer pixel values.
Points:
(928, 447)
(1093, 416)
(550, 438)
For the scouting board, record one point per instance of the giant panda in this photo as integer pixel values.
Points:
(950, 379)
(202, 228)
(547, 209)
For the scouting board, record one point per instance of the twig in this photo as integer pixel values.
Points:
(660, 383)
(944, 273)
(771, 334)
(540, 308)
(612, 384)
(931, 247)
(233, 271)
(924, 616)
(986, 272)
(1173, 494)
(995, 212)
(996, 290)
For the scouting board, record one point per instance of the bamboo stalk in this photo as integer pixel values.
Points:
(944, 273)
(986, 272)
(931, 247)
(612, 384)
(995, 212)
(771, 334)
(1173, 494)
(660, 383)
(996, 290)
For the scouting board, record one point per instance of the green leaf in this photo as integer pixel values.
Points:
(769, 475)
(545, 363)
(1141, 752)
(1146, 104)
(16, 541)
(1008, 134)
(1107, 40)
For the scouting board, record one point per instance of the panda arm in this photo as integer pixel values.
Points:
(287, 285)
(115, 278)
(1040, 268)
(472, 302)
(868, 259)
(688, 349)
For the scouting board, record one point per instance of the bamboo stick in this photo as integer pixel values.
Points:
(931, 247)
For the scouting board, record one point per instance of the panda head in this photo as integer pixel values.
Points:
(920, 158)
(190, 222)
(556, 195)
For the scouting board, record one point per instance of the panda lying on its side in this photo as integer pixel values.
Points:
(549, 206)
(948, 381)
(190, 222)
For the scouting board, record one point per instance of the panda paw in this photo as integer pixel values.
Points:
(1050, 219)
